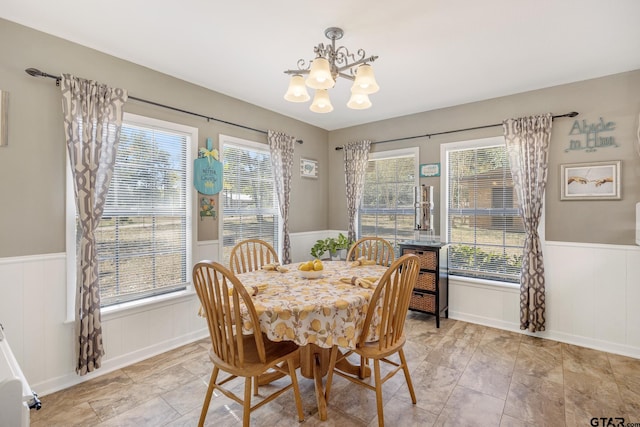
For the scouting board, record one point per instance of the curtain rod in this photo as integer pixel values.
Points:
(34, 72)
(429, 135)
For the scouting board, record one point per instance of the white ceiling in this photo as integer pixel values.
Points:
(432, 53)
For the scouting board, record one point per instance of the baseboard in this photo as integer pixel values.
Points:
(59, 383)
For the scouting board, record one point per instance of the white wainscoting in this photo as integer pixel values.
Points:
(592, 294)
(33, 313)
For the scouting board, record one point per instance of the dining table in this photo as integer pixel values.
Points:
(317, 314)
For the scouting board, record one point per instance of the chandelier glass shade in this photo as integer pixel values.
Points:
(321, 102)
(297, 91)
(323, 72)
(320, 75)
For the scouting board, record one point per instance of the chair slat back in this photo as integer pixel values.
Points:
(391, 299)
(372, 248)
(250, 255)
(223, 298)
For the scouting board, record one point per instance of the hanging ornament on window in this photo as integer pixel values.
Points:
(207, 207)
(207, 170)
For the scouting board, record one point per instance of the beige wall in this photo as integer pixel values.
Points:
(614, 98)
(32, 166)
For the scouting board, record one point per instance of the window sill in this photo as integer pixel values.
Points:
(151, 303)
(483, 283)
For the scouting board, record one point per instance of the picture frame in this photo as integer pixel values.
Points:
(308, 168)
(590, 181)
(429, 169)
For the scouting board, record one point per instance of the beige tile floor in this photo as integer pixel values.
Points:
(464, 375)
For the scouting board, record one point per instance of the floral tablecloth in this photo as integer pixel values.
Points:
(323, 311)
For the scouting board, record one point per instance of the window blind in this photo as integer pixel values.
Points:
(250, 203)
(386, 208)
(485, 229)
(141, 238)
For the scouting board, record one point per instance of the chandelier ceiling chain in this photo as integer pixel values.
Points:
(323, 71)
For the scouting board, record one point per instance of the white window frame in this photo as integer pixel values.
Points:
(252, 145)
(444, 185)
(70, 245)
(390, 154)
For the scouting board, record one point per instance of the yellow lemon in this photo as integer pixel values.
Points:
(316, 325)
(342, 304)
(304, 267)
(342, 342)
(317, 265)
(284, 314)
(280, 329)
(350, 332)
(290, 334)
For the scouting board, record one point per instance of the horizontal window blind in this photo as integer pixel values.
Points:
(386, 209)
(485, 229)
(250, 203)
(142, 237)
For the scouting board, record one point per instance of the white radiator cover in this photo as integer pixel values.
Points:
(16, 397)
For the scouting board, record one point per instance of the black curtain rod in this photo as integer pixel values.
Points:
(429, 135)
(37, 73)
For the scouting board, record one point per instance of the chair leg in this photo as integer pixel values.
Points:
(407, 375)
(246, 410)
(363, 363)
(296, 389)
(207, 397)
(255, 386)
(332, 365)
(376, 368)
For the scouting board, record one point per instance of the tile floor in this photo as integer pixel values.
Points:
(464, 375)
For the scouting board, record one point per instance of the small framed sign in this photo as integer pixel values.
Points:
(430, 169)
(308, 168)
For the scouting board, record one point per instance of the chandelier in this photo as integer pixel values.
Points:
(329, 64)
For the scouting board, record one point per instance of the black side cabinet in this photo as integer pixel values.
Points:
(431, 291)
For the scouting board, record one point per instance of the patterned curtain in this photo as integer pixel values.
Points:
(356, 156)
(527, 141)
(281, 147)
(92, 121)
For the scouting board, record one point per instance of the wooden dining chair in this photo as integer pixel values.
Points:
(233, 352)
(250, 255)
(372, 248)
(390, 301)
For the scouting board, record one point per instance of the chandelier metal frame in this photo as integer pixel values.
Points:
(323, 71)
(339, 58)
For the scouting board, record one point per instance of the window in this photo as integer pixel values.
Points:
(386, 209)
(483, 225)
(248, 198)
(144, 237)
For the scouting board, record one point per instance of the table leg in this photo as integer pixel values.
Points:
(321, 398)
(314, 364)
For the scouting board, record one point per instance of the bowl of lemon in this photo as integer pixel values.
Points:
(311, 269)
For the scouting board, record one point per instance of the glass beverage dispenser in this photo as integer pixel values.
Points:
(423, 203)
